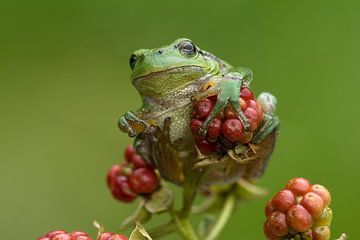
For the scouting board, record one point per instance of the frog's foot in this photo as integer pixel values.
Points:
(132, 124)
(271, 122)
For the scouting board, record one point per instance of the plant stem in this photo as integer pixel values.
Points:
(190, 189)
(184, 228)
(225, 214)
(162, 230)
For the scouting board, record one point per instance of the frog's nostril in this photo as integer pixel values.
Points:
(160, 51)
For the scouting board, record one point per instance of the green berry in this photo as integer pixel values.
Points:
(325, 218)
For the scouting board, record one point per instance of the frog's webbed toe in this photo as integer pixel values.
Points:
(132, 124)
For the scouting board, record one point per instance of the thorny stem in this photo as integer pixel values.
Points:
(225, 214)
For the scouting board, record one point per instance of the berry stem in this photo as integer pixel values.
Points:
(184, 227)
(225, 214)
(162, 230)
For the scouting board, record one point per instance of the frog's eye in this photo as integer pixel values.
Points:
(187, 48)
(132, 61)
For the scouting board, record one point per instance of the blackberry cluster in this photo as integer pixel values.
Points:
(131, 178)
(226, 130)
(78, 235)
(300, 211)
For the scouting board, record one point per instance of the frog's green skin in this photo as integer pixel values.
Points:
(168, 78)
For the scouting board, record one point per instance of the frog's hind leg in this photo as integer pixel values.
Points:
(271, 122)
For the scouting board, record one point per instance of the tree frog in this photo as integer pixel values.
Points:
(168, 79)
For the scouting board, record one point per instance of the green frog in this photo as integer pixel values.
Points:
(168, 80)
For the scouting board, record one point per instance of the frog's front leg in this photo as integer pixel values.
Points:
(132, 124)
(267, 102)
(228, 89)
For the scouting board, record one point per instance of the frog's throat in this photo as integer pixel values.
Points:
(173, 70)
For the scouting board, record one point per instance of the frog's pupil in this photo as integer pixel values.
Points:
(133, 59)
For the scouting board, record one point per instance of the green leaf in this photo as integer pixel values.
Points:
(159, 201)
(139, 233)
(141, 215)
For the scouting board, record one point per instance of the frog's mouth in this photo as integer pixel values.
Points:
(185, 70)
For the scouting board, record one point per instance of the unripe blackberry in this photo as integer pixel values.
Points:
(254, 105)
(143, 180)
(277, 224)
(313, 203)
(268, 233)
(121, 190)
(105, 235)
(138, 162)
(129, 152)
(299, 218)
(205, 146)
(246, 94)
(62, 236)
(283, 200)
(54, 233)
(204, 108)
(299, 186)
(322, 192)
(233, 129)
(253, 117)
(269, 208)
(214, 130)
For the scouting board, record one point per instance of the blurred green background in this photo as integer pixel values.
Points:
(64, 81)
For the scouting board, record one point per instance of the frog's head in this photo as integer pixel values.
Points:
(158, 72)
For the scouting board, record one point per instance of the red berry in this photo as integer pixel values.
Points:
(138, 161)
(313, 203)
(195, 125)
(253, 118)
(323, 193)
(299, 219)
(112, 174)
(54, 233)
(254, 105)
(277, 224)
(105, 235)
(143, 180)
(214, 130)
(233, 129)
(205, 146)
(268, 233)
(269, 208)
(204, 108)
(78, 235)
(229, 112)
(321, 233)
(246, 93)
(118, 237)
(129, 152)
(283, 200)
(82, 238)
(43, 238)
(62, 236)
(121, 190)
(299, 186)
